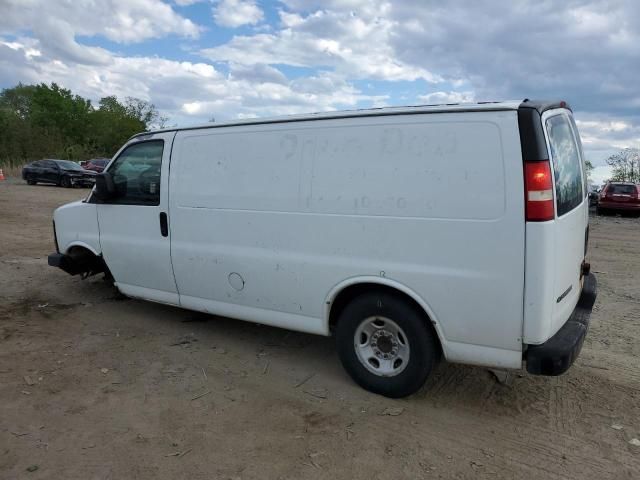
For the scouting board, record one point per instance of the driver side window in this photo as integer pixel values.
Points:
(136, 174)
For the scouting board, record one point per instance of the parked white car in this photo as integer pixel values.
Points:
(406, 233)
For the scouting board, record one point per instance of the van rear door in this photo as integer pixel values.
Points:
(571, 205)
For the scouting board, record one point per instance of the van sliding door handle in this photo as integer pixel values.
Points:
(164, 226)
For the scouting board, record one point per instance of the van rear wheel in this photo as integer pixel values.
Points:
(386, 344)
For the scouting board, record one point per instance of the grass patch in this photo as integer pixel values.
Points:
(12, 167)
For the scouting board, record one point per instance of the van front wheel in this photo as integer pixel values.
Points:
(386, 344)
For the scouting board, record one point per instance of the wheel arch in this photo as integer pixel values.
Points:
(77, 245)
(341, 294)
(87, 260)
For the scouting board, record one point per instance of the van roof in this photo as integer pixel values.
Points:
(383, 111)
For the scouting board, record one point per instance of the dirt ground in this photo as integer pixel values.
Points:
(94, 386)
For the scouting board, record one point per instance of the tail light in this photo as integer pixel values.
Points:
(603, 193)
(539, 191)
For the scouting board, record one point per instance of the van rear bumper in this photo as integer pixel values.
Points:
(630, 207)
(556, 355)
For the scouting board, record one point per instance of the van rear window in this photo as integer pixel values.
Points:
(566, 164)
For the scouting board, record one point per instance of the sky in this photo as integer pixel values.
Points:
(199, 60)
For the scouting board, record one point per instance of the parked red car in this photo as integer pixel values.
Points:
(96, 164)
(619, 197)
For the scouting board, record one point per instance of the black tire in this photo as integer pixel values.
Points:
(65, 182)
(601, 211)
(422, 340)
(31, 181)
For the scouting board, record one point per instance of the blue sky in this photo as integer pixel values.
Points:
(223, 59)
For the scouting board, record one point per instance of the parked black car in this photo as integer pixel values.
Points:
(64, 173)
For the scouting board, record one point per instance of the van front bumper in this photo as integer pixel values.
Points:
(556, 355)
(65, 263)
(81, 262)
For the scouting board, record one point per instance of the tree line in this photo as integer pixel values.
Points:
(625, 165)
(48, 121)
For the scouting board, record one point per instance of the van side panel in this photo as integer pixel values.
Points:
(540, 273)
(274, 216)
(569, 234)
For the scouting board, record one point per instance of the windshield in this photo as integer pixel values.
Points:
(69, 165)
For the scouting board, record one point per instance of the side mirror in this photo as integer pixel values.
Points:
(105, 187)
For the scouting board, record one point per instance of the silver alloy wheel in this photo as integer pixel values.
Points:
(381, 346)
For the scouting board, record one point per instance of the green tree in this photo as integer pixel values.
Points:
(144, 111)
(62, 118)
(39, 121)
(17, 100)
(588, 166)
(110, 126)
(625, 165)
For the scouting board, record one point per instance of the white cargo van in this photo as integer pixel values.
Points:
(406, 233)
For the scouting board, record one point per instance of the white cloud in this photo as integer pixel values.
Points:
(603, 135)
(257, 73)
(122, 21)
(354, 46)
(235, 13)
(185, 3)
(447, 97)
(584, 51)
(58, 24)
(24, 46)
(600, 174)
(581, 50)
(188, 92)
